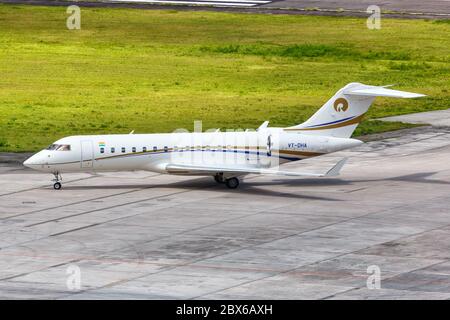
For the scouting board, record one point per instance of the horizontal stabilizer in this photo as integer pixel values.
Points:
(381, 92)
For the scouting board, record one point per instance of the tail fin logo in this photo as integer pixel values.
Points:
(341, 105)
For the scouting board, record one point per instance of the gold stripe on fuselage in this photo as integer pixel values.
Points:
(356, 120)
(302, 154)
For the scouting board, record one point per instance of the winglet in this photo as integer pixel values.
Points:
(263, 126)
(335, 171)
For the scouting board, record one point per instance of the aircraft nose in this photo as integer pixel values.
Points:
(32, 162)
(29, 162)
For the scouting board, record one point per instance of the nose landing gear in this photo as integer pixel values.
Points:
(57, 185)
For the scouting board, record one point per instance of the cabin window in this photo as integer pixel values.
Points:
(155, 149)
(144, 149)
(123, 149)
(166, 149)
(102, 150)
(113, 150)
(133, 149)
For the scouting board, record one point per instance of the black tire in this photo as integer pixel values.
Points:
(57, 186)
(232, 183)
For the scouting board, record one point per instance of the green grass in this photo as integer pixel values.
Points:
(155, 71)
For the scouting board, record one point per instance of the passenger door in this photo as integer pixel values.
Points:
(87, 154)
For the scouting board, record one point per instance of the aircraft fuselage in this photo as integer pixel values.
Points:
(152, 152)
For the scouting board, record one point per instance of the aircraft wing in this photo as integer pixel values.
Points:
(204, 169)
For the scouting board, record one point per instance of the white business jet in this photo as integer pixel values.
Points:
(224, 155)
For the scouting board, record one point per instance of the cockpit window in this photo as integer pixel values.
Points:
(64, 147)
(59, 147)
(52, 147)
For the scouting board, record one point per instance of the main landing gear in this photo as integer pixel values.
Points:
(219, 178)
(57, 185)
(231, 183)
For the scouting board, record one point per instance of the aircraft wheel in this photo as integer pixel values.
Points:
(232, 183)
(57, 186)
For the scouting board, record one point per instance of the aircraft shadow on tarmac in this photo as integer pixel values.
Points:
(415, 177)
(203, 184)
(252, 187)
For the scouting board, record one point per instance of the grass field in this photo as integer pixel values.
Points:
(155, 71)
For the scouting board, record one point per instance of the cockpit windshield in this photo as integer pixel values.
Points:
(59, 147)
